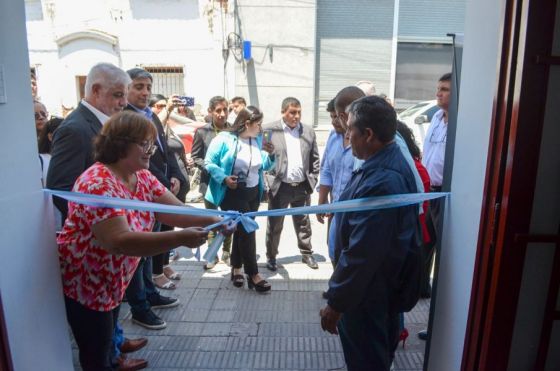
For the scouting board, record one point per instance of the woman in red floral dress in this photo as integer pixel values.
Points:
(99, 248)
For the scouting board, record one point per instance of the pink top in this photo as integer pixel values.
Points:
(91, 275)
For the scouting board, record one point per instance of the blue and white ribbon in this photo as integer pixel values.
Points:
(247, 219)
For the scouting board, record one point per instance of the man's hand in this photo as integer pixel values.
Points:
(321, 217)
(175, 185)
(231, 182)
(190, 161)
(329, 319)
(269, 147)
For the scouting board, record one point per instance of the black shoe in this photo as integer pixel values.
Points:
(149, 320)
(423, 335)
(160, 301)
(325, 295)
(271, 265)
(261, 286)
(310, 261)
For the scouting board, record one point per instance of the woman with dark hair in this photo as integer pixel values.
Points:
(45, 142)
(99, 247)
(235, 161)
(408, 137)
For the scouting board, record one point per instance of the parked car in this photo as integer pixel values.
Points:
(418, 118)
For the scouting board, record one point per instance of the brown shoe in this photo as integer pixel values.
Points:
(132, 345)
(130, 364)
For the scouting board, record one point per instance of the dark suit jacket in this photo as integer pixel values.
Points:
(309, 156)
(163, 164)
(72, 151)
(202, 138)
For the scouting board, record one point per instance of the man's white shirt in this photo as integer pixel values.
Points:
(294, 171)
(434, 148)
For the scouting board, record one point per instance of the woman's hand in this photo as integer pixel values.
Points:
(193, 237)
(269, 147)
(231, 181)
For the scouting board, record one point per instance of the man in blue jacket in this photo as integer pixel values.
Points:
(371, 246)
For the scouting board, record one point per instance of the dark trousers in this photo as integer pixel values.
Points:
(160, 260)
(227, 240)
(93, 331)
(369, 336)
(433, 218)
(141, 287)
(286, 196)
(244, 246)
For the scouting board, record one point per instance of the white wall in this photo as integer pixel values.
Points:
(29, 271)
(289, 26)
(164, 33)
(461, 226)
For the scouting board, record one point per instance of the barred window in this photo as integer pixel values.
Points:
(167, 80)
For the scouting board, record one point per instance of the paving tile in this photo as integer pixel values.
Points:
(220, 327)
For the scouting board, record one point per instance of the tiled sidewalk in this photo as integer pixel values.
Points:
(220, 327)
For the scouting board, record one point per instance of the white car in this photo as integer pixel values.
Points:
(418, 118)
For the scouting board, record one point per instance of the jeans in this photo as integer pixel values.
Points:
(118, 340)
(141, 287)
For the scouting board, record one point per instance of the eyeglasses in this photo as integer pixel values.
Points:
(148, 148)
(161, 106)
(41, 115)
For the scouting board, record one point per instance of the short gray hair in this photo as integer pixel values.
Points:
(367, 87)
(106, 74)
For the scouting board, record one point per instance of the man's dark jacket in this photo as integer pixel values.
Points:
(163, 164)
(72, 151)
(371, 246)
(202, 138)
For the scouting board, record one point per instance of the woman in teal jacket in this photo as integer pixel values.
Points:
(235, 161)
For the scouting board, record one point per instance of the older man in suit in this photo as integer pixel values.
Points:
(72, 151)
(293, 179)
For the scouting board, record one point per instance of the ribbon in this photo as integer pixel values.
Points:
(247, 219)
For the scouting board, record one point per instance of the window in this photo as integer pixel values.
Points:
(167, 80)
(419, 66)
(81, 87)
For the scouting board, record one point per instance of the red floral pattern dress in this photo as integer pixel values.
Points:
(91, 275)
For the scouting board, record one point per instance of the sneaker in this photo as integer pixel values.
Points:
(161, 301)
(211, 265)
(225, 257)
(149, 320)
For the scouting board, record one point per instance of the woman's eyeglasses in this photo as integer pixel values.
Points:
(160, 106)
(148, 148)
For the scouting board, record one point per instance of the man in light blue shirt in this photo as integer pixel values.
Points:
(337, 163)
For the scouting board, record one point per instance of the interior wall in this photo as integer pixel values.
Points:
(29, 272)
(462, 213)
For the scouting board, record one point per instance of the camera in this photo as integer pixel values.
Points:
(241, 181)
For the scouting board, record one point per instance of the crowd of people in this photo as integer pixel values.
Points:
(119, 142)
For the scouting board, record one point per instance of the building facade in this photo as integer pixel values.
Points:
(307, 49)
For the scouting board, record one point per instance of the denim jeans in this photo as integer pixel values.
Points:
(118, 340)
(141, 287)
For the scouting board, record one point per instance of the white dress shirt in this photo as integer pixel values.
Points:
(434, 148)
(294, 172)
(103, 118)
(248, 161)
